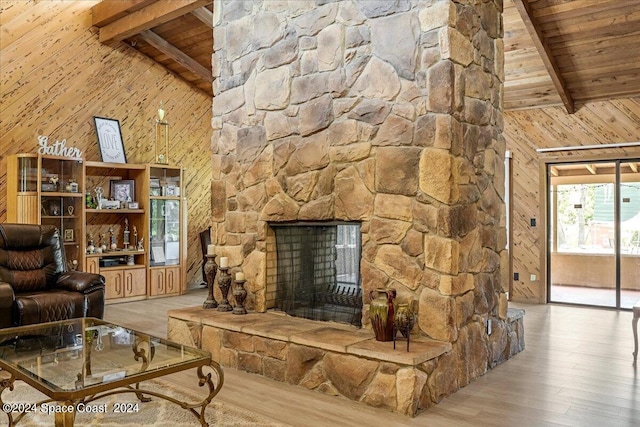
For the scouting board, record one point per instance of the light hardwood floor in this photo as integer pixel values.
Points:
(576, 370)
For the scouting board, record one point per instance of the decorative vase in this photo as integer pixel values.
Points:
(404, 319)
(381, 313)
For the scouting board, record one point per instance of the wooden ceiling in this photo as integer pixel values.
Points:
(569, 52)
(557, 52)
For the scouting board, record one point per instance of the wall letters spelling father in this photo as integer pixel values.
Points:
(59, 148)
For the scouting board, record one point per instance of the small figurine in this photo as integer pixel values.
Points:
(99, 192)
(135, 236)
(140, 246)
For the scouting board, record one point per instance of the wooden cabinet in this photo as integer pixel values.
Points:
(164, 281)
(125, 282)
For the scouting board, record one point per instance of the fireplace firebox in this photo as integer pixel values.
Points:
(318, 271)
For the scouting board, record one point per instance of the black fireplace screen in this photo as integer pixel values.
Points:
(318, 274)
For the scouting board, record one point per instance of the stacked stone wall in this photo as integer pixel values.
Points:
(384, 112)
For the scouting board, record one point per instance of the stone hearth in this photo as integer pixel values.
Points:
(332, 358)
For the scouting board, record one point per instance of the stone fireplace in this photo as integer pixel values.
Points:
(385, 113)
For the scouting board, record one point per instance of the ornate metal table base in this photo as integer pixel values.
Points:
(195, 408)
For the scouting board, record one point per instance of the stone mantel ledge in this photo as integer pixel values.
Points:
(328, 336)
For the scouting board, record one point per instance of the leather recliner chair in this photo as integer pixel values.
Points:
(34, 284)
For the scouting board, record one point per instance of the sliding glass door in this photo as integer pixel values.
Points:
(629, 233)
(594, 227)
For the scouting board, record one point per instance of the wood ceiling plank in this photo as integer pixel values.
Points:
(545, 53)
(162, 45)
(108, 11)
(147, 18)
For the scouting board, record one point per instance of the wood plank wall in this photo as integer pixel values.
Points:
(55, 76)
(594, 123)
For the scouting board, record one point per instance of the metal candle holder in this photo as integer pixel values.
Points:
(239, 294)
(224, 282)
(210, 270)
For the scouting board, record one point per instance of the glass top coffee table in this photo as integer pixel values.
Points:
(75, 362)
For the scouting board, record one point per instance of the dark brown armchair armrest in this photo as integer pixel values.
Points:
(7, 297)
(78, 281)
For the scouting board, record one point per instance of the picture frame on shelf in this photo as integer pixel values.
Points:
(123, 190)
(155, 191)
(133, 205)
(157, 255)
(110, 140)
(170, 190)
(68, 235)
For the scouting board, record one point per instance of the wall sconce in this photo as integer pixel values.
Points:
(162, 137)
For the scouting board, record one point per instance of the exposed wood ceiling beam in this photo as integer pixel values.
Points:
(162, 45)
(204, 15)
(108, 11)
(148, 17)
(545, 54)
(633, 167)
(592, 169)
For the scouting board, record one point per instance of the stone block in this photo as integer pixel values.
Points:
(185, 332)
(455, 46)
(315, 115)
(388, 231)
(314, 378)
(330, 47)
(377, 8)
(212, 341)
(308, 156)
(393, 206)
(273, 88)
(300, 187)
(238, 341)
(436, 315)
(400, 50)
(441, 254)
(437, 14)
(274, 369)
(381, 393)
(378, 80)
(440, 86)
(425, 217)
(250, 362)
(218, 200)
(437, 175)
(280, 208)
(300, 361)
(397, 170)
(353, 200)
(372, 111)
(398, 265)
(395, 130)
(350, 375)
(409, 385)
(350, 153)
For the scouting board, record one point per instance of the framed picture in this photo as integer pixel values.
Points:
(68, 235)
(157, 254)
(110, 140)
(123, 190)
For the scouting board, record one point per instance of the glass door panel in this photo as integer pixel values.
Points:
(165, 231)
(582, 259)
(629, 233)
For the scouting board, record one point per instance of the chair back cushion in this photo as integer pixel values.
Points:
(31, 257)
